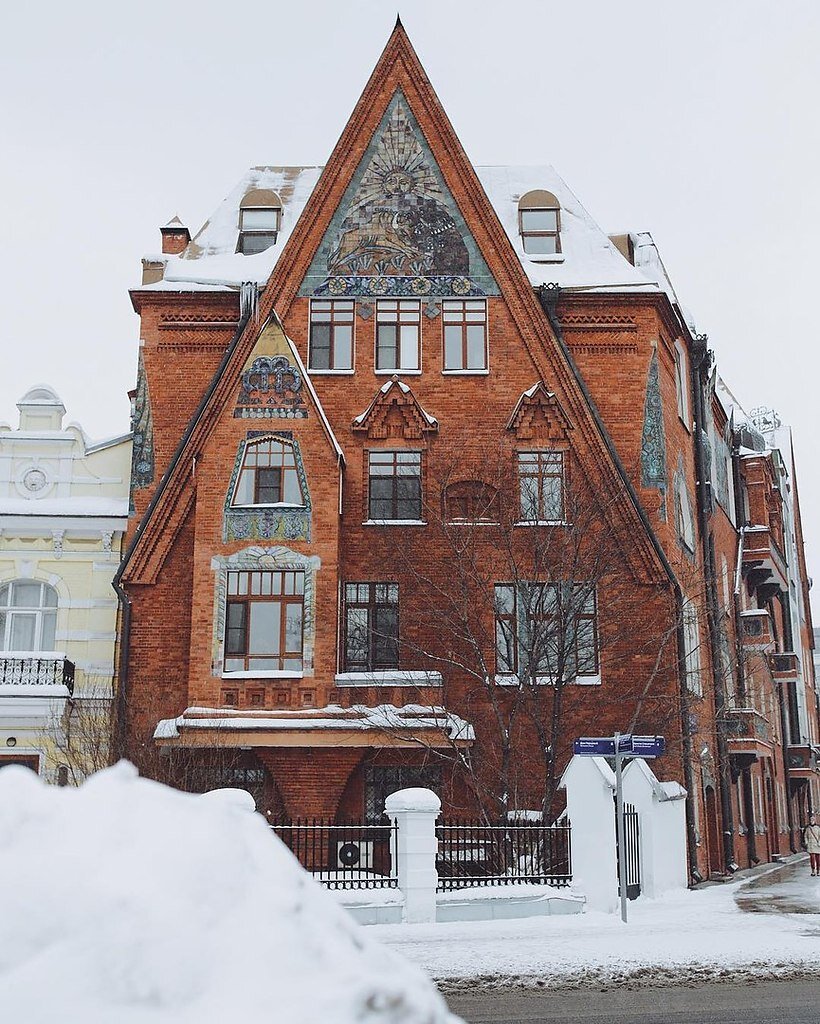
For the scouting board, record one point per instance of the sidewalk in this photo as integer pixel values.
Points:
(689, 938)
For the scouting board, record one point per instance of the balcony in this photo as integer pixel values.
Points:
(748, 734)
(36, 673)
(785, 667)
(756, 630)
(763, 560)
(802, 760)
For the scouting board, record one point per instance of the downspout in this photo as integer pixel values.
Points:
(246, 313)
(548, 297)
(786, 723)
(700, 367)
(746, 773)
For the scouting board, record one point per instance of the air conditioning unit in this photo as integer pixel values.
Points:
(354, 855)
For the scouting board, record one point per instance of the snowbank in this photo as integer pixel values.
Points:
(128, 901)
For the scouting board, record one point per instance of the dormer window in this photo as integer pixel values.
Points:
(539, 222)
(268, 476)
(260, 215)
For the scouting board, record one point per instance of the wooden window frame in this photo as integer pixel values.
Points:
(543, 455)
(399, 458)
(258, 232)
(372, 605)
(286, 447)
(525, 234)
(453, 306)
(386, 307)
(234, 652)
(337, 309)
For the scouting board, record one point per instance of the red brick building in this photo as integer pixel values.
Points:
(416, 488)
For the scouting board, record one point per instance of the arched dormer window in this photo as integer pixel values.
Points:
(28, 616)
(539, 222)
(470, 501)
(269, 475)
(260, 216)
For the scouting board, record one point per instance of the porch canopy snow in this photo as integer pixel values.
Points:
(385, 725)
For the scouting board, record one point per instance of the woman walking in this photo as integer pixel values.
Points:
(811, 840)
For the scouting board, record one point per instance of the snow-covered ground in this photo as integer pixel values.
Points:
(124, 902)
(689, 936)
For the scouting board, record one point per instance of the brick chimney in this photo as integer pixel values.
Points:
(175, 236)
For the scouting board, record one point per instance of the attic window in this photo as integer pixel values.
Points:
(260, 216)
(539, 222)
(269, 475)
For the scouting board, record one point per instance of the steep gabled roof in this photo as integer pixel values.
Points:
(399, 69)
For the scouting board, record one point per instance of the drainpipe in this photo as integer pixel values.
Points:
(701, 358)
(746, 773)
(548, 297)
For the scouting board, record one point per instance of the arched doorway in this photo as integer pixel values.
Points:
(713, 833)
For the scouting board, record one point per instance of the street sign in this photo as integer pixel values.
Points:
(619, 747)
(628, 745)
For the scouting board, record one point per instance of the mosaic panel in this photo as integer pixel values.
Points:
(398, 230)
(142, 428)
(653, 437)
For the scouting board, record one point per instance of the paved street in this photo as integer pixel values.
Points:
(789, 890)
(764, 1003)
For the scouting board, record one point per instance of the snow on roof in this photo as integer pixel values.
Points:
(169, 908)
(383, 718)
(589, 260)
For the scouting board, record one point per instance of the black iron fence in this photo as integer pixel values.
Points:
(342, 856)
(474, 853)
(632, 837)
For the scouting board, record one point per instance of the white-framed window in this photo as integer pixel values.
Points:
(691, 644)
(464, 323)
(682, 384)
(28, 616)
(269, 475)
(541, 486)
(398, 336)
(547, 631)
(264, 621)
(331, 335)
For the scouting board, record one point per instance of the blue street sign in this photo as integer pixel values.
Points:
(635, 746)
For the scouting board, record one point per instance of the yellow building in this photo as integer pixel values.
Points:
(63, 514)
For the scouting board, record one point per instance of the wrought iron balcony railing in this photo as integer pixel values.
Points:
(31, 670)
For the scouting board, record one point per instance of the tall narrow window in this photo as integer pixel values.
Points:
(547, 631)
(395, 486)
(331, 334)
(691, 645)
(269, 475)
(264, 622)
(539, 222)
(398, 333)
(541, 485)
(28, 616)
(465, 334)
(371, 627)
(681, 385)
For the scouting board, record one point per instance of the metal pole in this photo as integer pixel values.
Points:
(619, 814)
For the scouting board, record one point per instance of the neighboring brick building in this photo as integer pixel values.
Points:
(414, 447)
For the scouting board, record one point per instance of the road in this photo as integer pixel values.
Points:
(779, 1002)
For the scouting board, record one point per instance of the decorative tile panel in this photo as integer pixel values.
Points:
(653, 437)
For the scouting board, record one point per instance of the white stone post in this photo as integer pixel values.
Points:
(414, 812)
(661, 810)
(590, 786)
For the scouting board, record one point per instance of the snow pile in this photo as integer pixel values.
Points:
(126, 900)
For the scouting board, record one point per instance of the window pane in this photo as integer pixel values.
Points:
(381, 498)
(356, 645)
(3, 622)
(553, 509)
(343, 347)
(585, 644)
(320, 346)
(408, 497)
(26, 595)
(268, 485)
(49, 597)
(452, 347)
(260, 220)
(386, 347)
(539, 220)
(293, 490)
(23, 631)
(263, 635)
(529, 498)
(49, 627)
(504, 599)
(475, 347)
(293, 629)
(409, 347)
(251, 244)
(235, 633)
(244, 488)
(540, 245)
(504, 646)
(385, 639)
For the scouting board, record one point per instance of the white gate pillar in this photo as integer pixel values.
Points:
(590, 784)
(661, 808)
(414, 811)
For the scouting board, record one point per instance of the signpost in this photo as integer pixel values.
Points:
(619, 747)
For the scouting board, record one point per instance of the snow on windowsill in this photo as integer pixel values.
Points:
(393, 677)
(543, 522)
(511, 679)
(263, 674)
(394, 522)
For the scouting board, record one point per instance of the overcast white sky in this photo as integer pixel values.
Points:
(695, 120)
